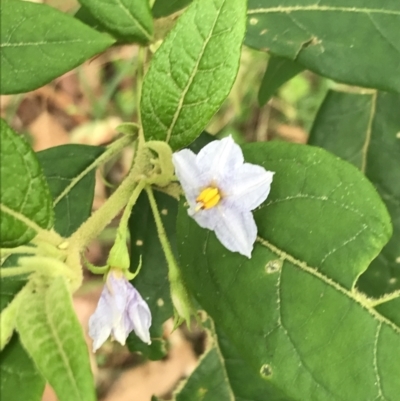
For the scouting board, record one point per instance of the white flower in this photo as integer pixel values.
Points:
(120, 310)
(222, 190)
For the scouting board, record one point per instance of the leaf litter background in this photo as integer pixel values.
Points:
(84, 106)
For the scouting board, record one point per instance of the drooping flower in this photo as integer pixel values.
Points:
(120, 310)
(222, 191)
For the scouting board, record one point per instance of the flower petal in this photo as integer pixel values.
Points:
(236, 230)
(188, 173)
(219, 159)
(101, 322)
(248, 188)
(207, 218)
(140, 317)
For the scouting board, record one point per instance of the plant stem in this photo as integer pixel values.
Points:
(23, 249)
(15, 271)
(172, 263)
(96, 223)
(139, 83)
(111, 151)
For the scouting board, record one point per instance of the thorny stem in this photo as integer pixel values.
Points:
(385, 298)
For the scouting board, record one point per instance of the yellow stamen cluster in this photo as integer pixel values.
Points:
(208, 198)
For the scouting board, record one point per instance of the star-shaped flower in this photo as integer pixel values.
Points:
(222, 191)
(120, 310)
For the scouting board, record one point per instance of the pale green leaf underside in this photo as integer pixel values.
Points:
(18, 374)
(193, 71)
(39, 43)
(26, 204)
(364, 130)
(292, 307)
(334, 40)
(50, 332)
(130, 20)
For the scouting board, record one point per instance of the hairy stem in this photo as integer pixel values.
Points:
(166, 246)
(111, 151)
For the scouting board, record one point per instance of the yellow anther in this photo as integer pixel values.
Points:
(208, 198)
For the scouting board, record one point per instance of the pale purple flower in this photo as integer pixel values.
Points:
(120, 310)
(222, 191)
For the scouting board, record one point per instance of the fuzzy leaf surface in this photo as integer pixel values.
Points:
(193, 71)
(25, 196)
(333, 38)
(162, 8)
(18, 373)
(129, 20)
(39, 43)
(50, 332)
(364, 129)
(291, 310)
(62, 166)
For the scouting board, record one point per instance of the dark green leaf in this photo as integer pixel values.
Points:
(50, 332)
(63, 166)
(279, 70)
(39, 43)
(209, 381)
(364, 130)
(19, 378)
(291, 310)
(245, 383)
(85, 16)
(391, 310)
(193, 71)
(25, 197)
(354, 42)
(163, 8)
(152, 282)
(128, 20)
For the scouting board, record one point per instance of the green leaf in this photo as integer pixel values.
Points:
(85, 16)
(152, 281)
(391, 310)
(193, 71)
(292, 310)
(354, 42)
(49, 330)
(72, 189)
(25, 198)
(279, 70)
(129, 20)
(162, 8)
(245, 383)
(39, 43)
(208, 382)
(19, 378)
(364, 130)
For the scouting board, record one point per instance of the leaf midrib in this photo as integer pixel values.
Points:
(321, 8)
(135, 20)
(355, 296)
(191, 78)
(61, 351)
